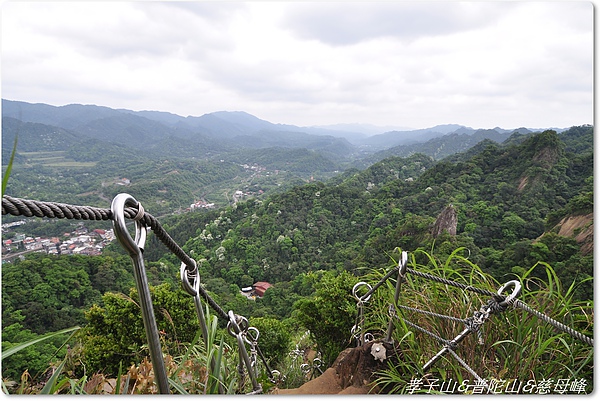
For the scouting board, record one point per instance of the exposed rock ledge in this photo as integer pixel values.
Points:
(351, 373)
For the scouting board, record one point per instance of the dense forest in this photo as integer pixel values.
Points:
(514, 204)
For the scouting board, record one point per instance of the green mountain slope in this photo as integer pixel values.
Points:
(503, 197)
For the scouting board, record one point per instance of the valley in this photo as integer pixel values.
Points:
(307, 210)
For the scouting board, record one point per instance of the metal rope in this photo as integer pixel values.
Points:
(423, 330)
(452, 283)
(469, 369)
(557, 325)
(30, 208)
(424, 312)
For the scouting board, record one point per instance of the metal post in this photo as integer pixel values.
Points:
(401, 272)
(235, 331)
(135, 249)
(194, 290)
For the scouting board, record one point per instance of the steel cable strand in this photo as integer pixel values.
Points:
(577, 335)
(450, 346)
(169, 242)
(380, 282)
(452, 283)
(433, 314)
(469, 369)
(31, 208)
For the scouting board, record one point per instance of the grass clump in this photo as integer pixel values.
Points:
(517, 352)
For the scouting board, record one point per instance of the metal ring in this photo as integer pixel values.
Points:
(237, 324)
(369, 337)
(242, 323)
(117, 207)
(185, 275)
(516, 291)
(357, 286)
(255, 330)
(232, 326)
(305, 367)
(185, 283)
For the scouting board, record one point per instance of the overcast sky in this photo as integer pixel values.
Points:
(409, 64)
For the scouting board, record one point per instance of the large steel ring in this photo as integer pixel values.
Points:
(355, 291)
(516, 291)
(190, 288)
(253, 337)
(237, 324)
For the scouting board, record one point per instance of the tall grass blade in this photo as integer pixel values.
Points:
(178, 387)
(9, 167)
(4, 388)
(19, 347)
(118, 383)
(49, 386)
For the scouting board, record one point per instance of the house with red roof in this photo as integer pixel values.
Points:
(260, 287)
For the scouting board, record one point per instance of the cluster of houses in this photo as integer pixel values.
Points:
(78, 242)
(201, 204)
(83, 242)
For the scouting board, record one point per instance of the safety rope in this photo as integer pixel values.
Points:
(558, 325)
(497, 303)
(31, 208)
(442, 280)
(189, 276)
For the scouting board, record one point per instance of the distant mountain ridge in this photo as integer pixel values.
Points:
(150, 125)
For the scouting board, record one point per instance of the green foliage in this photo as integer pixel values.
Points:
(274, 340)
(26, 351)
(330, 313)
(49, 293)
(516, 345)
(115, 332)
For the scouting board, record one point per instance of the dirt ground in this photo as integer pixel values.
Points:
(351, 373)
(327, 383)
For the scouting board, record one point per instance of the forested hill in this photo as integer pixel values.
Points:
(526, 200)
(507, 199)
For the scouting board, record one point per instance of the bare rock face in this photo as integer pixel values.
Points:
(353, 372)
(447, 220)
(358, 367)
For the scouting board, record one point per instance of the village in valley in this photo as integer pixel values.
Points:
(81, 241)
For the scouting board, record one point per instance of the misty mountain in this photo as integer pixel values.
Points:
(231, 129)
(36, 137)
(290, 139)
(162, 132)
(397, 138)
(68, 117)
(452, 143)
(364, 129)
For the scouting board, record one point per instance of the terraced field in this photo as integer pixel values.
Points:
(53, 159)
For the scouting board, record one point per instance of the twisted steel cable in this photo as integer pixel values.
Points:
(557, 325)
(31, 208)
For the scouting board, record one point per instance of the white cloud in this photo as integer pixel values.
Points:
(391, 63)
(355, 22)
